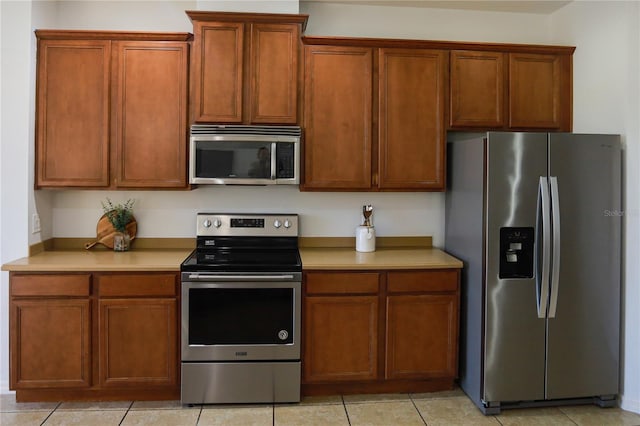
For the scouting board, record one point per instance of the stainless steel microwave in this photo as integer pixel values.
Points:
(244, 155)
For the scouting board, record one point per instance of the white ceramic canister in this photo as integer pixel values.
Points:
(365, 238)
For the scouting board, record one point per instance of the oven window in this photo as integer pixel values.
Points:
(233, 160)
(240, 316)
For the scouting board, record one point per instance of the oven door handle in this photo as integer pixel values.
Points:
(241, 277)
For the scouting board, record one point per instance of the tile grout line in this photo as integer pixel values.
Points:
(52, 411)
(199, 414)
(126, 413)
(346, 412)
(416, 407)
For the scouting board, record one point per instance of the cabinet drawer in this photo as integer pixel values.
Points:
(437, 280)
(342, 283)
(137, 285)
(50, 285)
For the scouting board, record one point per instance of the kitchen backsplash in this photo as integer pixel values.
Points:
(171, 214)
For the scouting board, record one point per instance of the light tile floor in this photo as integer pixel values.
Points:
(432, 409)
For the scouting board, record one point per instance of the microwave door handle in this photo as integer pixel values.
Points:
(273, 160)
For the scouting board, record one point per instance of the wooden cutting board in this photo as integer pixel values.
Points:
(105, 232)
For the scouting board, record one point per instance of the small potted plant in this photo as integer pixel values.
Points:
(119, 215)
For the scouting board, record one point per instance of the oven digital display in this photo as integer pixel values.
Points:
(247, 223)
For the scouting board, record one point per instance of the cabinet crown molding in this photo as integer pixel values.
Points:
(268, 18)
(45, 34)
(437, 44)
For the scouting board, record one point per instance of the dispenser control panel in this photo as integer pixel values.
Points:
(516, 252)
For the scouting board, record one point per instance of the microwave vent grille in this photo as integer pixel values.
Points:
(213, 129)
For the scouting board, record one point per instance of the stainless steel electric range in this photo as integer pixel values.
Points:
(241, 297)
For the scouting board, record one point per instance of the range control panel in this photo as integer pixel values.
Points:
(516, 252)
(247, 225)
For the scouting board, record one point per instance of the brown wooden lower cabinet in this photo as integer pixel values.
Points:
(52, 338)
(94, 336)
(341, 338)
(138, 330)
(380, 331)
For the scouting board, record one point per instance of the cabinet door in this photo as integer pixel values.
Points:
(72, 127)
(412, 93)
(337, 117)
(477, 93)
(537, 97)
(138, 342)
(150, 114)
(274, 73)
(218, 71)
(340, 338)
(50, 343)
(422, 334)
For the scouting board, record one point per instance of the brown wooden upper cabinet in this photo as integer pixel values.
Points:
(411, 130)
(511, 90)
(477, 97)
(353, 142)
(246, 67)
(111, 109)
(338, 98)
(539, 91)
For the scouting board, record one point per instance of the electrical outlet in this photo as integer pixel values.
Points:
(35, 223)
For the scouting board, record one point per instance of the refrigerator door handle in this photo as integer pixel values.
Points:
(543, 225)
(555, 265)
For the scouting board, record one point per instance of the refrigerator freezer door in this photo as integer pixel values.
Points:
(514, 348)
(583, 338)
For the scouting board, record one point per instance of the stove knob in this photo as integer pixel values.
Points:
(287, 224)
(277, 223)
(206, 223)
(217, 223)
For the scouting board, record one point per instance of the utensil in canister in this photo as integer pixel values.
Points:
(105, 232)
(366, 233)
(365, 239)
(367, 211)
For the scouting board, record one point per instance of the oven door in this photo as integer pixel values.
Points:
(240, 318)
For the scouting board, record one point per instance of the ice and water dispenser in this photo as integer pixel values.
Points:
(516, 252)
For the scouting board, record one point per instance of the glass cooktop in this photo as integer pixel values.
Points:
(239, 260)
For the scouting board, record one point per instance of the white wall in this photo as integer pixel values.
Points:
(261, 6)
(423, 23)
(14, 150)
(606, 99)
(172, 214)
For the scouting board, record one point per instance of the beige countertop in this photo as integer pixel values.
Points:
(313, 258)
(100, 260)
(382, 258)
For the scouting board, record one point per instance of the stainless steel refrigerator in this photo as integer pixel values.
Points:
(536, 219)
